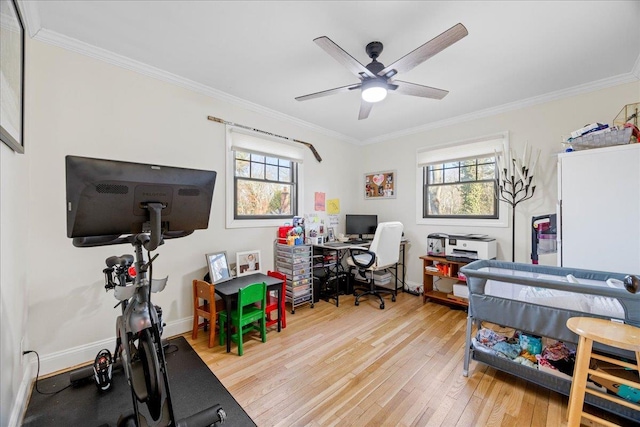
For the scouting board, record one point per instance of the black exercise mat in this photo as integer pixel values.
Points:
(193, 388)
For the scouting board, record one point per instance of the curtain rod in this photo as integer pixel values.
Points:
(224, 122)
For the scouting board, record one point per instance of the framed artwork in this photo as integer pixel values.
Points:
(380, 185)
(12, 35)
(218, 264)
(332, 234)
(248, 262)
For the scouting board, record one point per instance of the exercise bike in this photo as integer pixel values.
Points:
(139, 330)
(112, 202)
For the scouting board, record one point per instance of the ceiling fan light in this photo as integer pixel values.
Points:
(374, 91)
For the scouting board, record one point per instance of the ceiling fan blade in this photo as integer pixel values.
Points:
(365, 109)
(413, 89)
(328, 92)
(426, 51)
(342, 57)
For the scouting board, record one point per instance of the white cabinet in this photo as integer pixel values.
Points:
(599, 209)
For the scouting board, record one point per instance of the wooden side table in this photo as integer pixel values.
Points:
(590, 329)
(451, 269)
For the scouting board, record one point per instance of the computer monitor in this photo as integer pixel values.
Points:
(109, 198)
(361, 224)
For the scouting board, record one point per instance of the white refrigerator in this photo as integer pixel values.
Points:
(599, 209)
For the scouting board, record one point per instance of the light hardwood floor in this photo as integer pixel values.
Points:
(360, 366)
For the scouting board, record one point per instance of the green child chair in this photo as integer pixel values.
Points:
(246, 315)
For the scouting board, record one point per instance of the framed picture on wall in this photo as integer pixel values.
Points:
(248, 262)
(12, 72)
(380, 185)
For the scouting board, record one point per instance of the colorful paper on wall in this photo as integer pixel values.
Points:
(319, 201)
(333, 206)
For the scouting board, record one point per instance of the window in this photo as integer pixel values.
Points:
(457, 183)
(265, 187)
(263, 179)
(458, 189)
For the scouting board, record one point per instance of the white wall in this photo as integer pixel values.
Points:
(89, 108)
(542, 126)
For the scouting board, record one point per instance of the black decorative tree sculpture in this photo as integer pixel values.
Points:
(516, 183)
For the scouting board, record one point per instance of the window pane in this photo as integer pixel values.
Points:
(286, 163)
(271, 173)
(285, 175)
(241, 155)
(271, 160)
(435, 175)
(469, 199)
(451, 165)
(256, 198)
(451, 175)
(242, 168)
(257, 158)
(486, 171)
(470, 162)
(257, 170)
(468, 173)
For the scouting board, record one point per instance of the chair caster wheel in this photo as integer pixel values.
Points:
(393, 298)
(381, 306)
(311, 305)
(357, 302)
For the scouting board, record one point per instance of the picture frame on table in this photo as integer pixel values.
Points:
(380, 185)
(332, 234)
(12, 34)
(248, 262)
(218, 265)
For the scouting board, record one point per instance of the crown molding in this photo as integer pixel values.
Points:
(636, 68)
(512, 106)
(74, 45)
(54, 38)
(30, 16)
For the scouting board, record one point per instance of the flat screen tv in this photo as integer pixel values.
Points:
(109, 198)
(361, 224)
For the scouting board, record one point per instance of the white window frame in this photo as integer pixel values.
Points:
(488, 145)
(258, 143)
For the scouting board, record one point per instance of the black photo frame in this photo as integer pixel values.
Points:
(12, 81)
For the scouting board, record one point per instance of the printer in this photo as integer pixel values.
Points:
(436, 243)
(470, 247)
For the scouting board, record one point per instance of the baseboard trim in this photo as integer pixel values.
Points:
(68, 359)
(22, 396)
(85, 354)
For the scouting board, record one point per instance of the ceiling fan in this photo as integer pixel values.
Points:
(376, 79)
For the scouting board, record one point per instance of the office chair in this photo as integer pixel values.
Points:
(383, 253)
(246, 317)
(208, 310)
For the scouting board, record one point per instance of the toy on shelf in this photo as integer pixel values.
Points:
(295, 236)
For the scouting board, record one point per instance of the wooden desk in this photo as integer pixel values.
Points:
(452, 273)
(229, 292)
